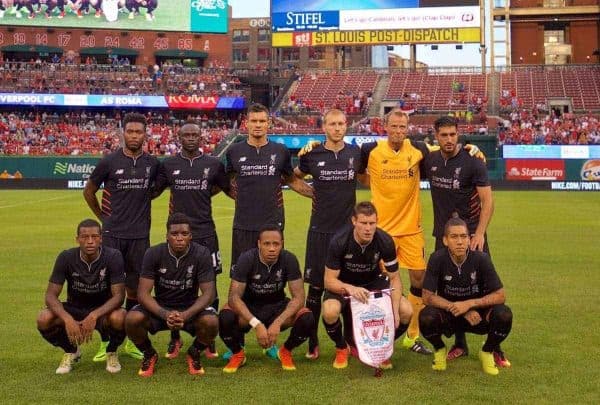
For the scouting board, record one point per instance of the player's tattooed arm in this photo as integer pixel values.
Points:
(299, 186)
(494, 298)
(432, 299)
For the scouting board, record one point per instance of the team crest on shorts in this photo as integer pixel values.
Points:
(374, 332)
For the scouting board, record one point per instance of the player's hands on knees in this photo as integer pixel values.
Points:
(477, 242)
(73, 331)
(459, 308)
(472, 317)
(87, 327)
(174, 320)
(262, 336)
(361, 294)
(273, 333)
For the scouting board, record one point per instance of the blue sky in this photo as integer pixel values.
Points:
(446, 55)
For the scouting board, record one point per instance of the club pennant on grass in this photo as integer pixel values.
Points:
(373, 328)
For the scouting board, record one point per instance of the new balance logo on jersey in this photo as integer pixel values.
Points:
(256, 277)
(321, 164)
(162, 270)
(434, 168)
(348, 256)
(176, 172)
(75, 274)
(242, 159)
(120, 171)
(448, 278)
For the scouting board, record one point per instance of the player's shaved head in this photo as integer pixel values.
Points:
(334, 112)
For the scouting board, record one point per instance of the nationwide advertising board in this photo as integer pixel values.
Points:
(210, 16)
(317, 23)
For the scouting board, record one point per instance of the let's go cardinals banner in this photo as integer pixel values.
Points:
(373, 328)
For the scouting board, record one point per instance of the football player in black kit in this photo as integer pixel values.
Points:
(193, 179)
(95, 292)
(335, 167)
(257, 300)
(462, 292)
(353, 268)
(258, 169)
(128, 175)
(459, 188)
(177, 271)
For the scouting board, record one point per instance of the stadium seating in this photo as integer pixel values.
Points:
(43, 77)
(533, 86)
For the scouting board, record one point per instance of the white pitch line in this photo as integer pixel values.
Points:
(34, 202)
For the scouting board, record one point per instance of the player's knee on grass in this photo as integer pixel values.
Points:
(331, 310)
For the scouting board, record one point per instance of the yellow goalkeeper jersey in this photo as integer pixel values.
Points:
(395, 178)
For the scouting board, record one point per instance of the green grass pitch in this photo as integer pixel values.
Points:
(544, 246)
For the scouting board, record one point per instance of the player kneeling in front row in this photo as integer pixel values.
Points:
(353, 269)
(95, 292)
(176, 270)
(463, 292)
(257, 300)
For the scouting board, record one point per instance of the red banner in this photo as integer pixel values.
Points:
(535, 169)
(192, 102)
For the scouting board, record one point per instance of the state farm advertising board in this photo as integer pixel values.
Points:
(534, 169)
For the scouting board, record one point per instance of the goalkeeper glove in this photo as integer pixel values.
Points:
(475, 151)
(310, 145)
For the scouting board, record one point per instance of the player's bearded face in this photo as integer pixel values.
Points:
(396, 128)
(457, 240)
(89, 240)
(364, 227)
(269, 246)
(447, 138)
(179, 237)
(258, 124)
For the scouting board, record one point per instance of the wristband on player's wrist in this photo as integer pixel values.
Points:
(163, 313)
(254, 322)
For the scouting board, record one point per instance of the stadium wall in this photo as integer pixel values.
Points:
(509, 174)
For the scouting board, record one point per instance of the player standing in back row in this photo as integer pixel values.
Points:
(334, 167)
(128, 174)
(193, 179)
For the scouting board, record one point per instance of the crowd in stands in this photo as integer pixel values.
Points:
(82, 132)
(117, 78)
(352, 104)
(524, 127)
